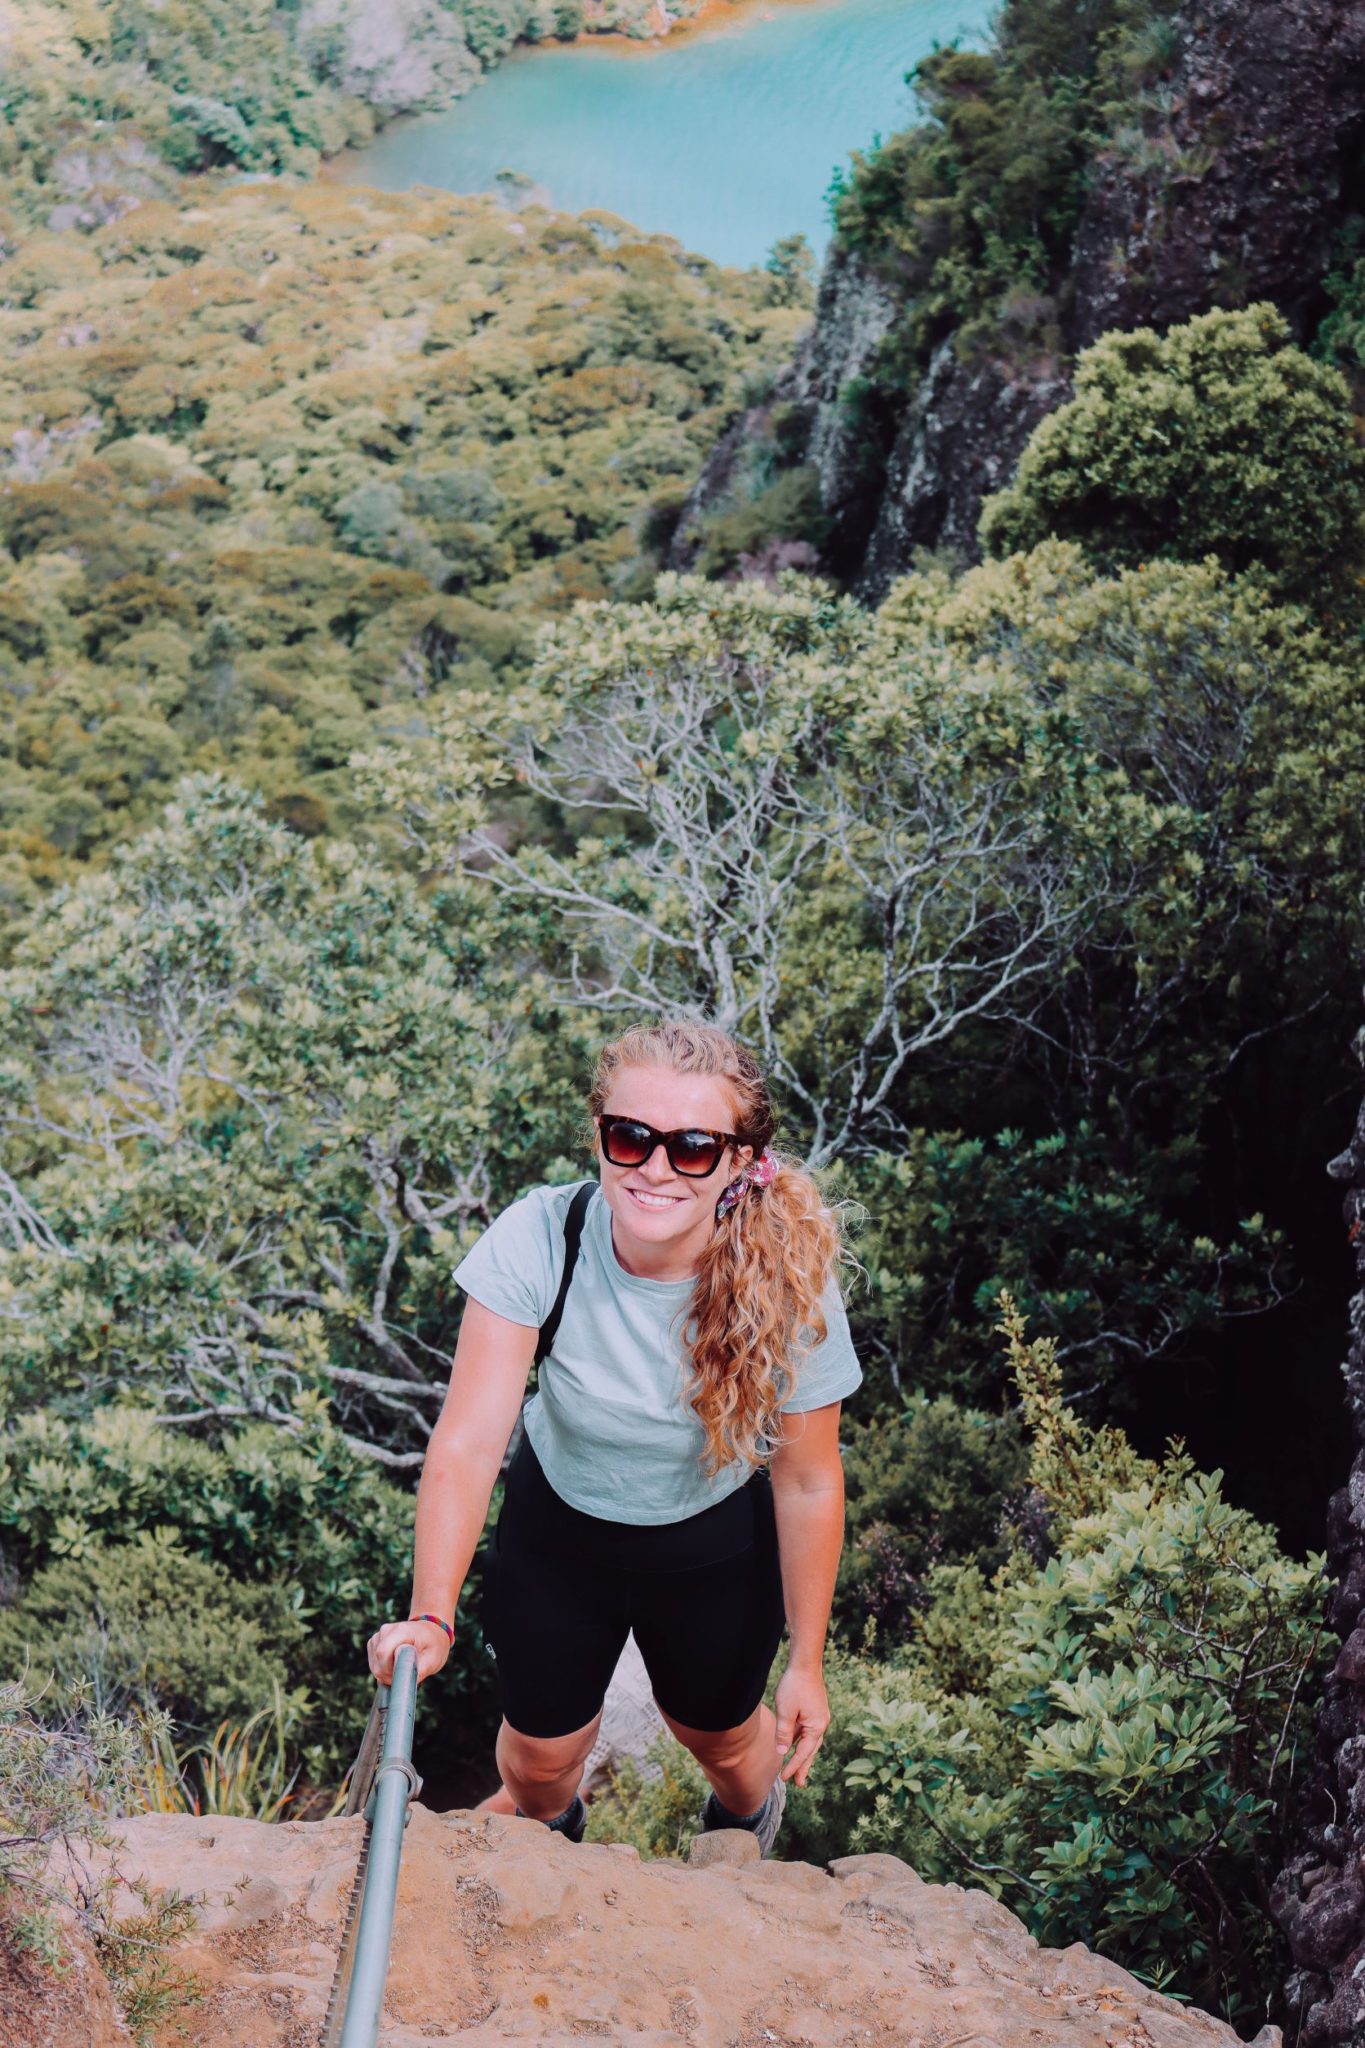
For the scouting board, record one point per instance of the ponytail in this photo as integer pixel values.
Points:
(761, 1279)
(757, 1304)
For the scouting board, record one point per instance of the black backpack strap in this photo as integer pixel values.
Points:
(573, 1236)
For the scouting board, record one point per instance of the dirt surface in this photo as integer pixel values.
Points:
(506, 1933)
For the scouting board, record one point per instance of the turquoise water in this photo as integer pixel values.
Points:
(726, 139)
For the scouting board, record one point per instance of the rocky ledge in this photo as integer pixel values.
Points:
(504, 1932)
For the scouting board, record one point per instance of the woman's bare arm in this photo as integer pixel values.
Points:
(808, 1497)
(487, 1381)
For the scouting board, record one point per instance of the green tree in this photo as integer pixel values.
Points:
(1219, 725)
(369, 520)
(790, 263)
(779, 817)
(256, 1092)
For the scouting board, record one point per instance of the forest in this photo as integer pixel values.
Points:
(388, 717)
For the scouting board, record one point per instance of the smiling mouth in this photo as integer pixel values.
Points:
(649, 1200)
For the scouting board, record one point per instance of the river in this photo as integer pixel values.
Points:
(726, 137)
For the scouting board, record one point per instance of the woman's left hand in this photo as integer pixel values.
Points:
(802, 1709)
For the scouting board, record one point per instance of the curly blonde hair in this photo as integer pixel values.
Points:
(757, 1304)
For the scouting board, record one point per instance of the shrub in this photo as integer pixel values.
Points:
(58, 1773)
(1340, 339)
(1219, 437)
(822, 1814)
(148, 1621)
(656, 1812)
(923, 1486)
(301, 1521)
(790, 265)
(1119, 1770)
(788, 509)
(65, 1769)
(1088, 1228)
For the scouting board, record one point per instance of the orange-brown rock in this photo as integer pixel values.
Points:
(504, 1932)
(71, 2007)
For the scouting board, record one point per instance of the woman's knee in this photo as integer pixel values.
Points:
(723, 1749)
(541, 1760)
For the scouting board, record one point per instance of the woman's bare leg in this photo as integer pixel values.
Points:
(741, 1763)
(543, 1773)
(500, 1801)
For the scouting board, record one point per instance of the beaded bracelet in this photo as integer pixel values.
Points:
(450, 1633)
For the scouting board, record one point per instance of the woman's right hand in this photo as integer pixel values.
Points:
(430, 1641)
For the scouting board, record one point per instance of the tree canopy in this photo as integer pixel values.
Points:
(296, 458)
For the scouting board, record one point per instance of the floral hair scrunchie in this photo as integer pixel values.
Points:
(757, 1174)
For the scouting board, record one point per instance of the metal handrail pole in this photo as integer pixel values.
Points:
(391, 1792)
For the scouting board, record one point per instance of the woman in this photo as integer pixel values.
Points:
(679, 1472)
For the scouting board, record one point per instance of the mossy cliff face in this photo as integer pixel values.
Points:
(1216, 156)
(1243, 168)
(1320, 1897)
(953, 439)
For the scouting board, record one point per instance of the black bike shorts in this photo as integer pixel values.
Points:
(561, 1591)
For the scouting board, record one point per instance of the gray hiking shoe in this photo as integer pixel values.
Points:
(764, 1827)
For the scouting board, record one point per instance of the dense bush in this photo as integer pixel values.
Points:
(147, 1623)
(65, 1770)
(1105, 1733)
(929, 1484)
(786, 509)
(1096, 1233)
(655, 1809)
(1340, 337)
(306, 1546)
(1218, 437)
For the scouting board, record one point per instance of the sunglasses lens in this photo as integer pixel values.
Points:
(695, 1152)
(625, 1143)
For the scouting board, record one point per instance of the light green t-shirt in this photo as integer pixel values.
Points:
(610, 1423)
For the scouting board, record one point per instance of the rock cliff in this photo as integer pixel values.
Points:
(1227, 189)
(1320, 1898)
(504, 1932)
